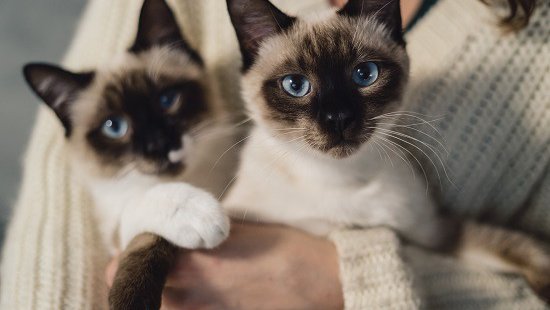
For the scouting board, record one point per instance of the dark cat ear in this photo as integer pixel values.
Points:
(387, 12)
(254, 21)
(157, 27)
(57, 88)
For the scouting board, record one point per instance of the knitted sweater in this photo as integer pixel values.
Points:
(493, 93)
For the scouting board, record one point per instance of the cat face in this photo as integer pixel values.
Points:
(137, 113)
(322, 82)
(143, 113)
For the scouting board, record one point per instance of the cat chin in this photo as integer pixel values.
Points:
(326, 150)
(165, 170)
(338, 152)
(342, 151)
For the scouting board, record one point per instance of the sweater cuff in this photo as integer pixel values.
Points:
(372, 271)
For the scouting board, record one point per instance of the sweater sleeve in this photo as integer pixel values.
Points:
(378, 272)
(372, 271)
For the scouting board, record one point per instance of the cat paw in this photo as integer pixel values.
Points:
(200, 223)
(186, 216)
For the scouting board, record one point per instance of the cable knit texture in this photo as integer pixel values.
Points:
(493, 93)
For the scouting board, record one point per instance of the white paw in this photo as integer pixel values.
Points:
(182, 214)
(199, 223)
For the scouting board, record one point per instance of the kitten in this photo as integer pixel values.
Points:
(135, 131)
(317, 89)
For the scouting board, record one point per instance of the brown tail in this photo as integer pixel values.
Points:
(141, 274)
(507, 250)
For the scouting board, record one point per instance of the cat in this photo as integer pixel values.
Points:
(140, 132)
(318, 88)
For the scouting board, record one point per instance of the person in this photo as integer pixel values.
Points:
(491, 87)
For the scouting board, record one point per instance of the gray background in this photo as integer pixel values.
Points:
(30, 30)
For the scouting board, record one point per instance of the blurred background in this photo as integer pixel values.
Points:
(30, 30)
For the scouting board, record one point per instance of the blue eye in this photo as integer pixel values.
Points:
(168, 100)
(115, 127)
(296, 85)
(365, 74)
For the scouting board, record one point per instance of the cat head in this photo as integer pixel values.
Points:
(321, 81)
(138, 112)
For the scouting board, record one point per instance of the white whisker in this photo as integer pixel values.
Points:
(385, 152)
(418, 148)
(416, 159)
(379, 152)
(283, 129)
(442, 165)
(227, 187)
(428, 145)
(398, 153)
(295, 139)
(227, 151)
(415, 113)
(387, 115)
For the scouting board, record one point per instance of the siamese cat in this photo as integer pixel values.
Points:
(140, 133)
(317, 89)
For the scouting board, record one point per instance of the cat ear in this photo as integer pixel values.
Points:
(255, 21)
(158, 27)
(387, 12)
(57, 88)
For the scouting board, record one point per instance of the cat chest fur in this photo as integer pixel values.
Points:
(280, 184)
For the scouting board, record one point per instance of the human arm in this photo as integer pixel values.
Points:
(275, 267)
(256, 264)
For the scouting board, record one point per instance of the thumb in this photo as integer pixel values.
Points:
(110, 271)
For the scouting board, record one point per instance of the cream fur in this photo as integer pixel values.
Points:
(286, 183)
(291, 183)
(128, 202)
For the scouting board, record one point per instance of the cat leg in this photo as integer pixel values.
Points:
(507, 251)
(141, 274)
(182, 214)
(165, 218)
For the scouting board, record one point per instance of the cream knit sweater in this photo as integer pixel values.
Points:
(493, 91)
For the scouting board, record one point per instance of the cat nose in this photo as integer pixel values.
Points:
(339, 121)
(156, 145)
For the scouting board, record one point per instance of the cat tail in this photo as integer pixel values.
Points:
(505, 250)
(142, 272)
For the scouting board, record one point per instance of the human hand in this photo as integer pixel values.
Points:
(338, 3)
(257, 267)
